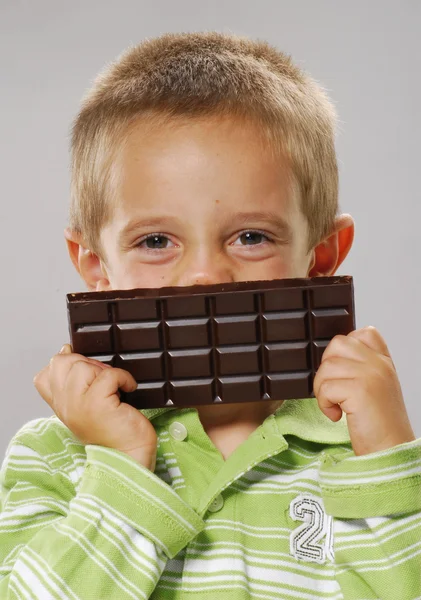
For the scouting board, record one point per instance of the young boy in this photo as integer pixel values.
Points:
(196, 159)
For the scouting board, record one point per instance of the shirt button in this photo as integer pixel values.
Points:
(178, 431)
(217, 504)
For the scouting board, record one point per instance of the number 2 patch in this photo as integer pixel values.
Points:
(313, 540)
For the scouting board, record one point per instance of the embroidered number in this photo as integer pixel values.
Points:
(305, 540)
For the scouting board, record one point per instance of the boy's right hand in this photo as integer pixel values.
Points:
(83, 393)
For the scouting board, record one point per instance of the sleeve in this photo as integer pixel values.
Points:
(375, 503)
(108, 537)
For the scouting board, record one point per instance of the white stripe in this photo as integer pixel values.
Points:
(280, 489)
(120, 545)
(37, 425)
(35, 466)
(39, 463)
(259, 556)
(347, 527)
(175, 472)
(177, 483)
(395, 451)
(29, 508)
(64, 455)
(100, 559)
(265, 536)
(46, 501)
(237, 581)
(22, 486)
(217, 569)
(368, 474)
(29, 571)
(399, 530)
(246, 526)
(127, 535)
(284, 466)
(9, 559)
(54, 577)
(388, 562)
(19, 450)
(125, 519)
(179, 486)
(18, 528)
(131, 484)
(385, 567)
(284, 477)
(16, 586)
(335, 479)
(302, 451)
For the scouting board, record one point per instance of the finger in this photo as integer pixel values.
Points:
(372, 339)
(331, 395)
(80, 377)
(41, 382)
(66, 349)
(351, 348)
(60, 366)
(98, 363)
(338, 368)
(110, 381)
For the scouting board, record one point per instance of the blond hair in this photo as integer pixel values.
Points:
(196, 75)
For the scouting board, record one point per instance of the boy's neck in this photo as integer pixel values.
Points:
(234, 414)
(228, 426)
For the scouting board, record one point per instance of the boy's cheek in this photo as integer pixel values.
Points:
(127, 271)
(147, 276)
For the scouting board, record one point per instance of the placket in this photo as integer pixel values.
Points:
(203, 467)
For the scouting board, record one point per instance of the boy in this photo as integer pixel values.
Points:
(197, 159)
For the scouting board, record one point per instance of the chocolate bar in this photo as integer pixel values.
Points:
(231, 342)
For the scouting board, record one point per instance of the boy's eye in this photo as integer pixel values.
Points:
(155, 242)
(252, 238)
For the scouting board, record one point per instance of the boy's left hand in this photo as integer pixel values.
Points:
(357, 376)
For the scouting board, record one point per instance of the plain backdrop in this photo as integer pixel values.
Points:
(367, 54)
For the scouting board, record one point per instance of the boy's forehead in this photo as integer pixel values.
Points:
(229, 137)
(219, 157)
(201, 171)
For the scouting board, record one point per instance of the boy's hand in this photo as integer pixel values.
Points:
(357, 376)
(83, 394)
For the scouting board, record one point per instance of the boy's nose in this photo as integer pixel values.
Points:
(206, 279)
(206, 273)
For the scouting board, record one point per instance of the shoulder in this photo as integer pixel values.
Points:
(48, 445)
(43, 460)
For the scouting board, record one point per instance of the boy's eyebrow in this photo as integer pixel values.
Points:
(283, 228)
(132, 226)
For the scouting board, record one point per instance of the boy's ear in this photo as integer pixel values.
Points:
(331, 252)
(88, 265)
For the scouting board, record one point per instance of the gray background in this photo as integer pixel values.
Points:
(367, 54)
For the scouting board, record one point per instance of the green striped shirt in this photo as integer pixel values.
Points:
(291, 514)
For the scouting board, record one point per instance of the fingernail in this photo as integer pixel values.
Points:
(63, 349)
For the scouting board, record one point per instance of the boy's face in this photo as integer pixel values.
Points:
(202, 202)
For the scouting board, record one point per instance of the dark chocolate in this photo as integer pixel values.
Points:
(235, 342)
